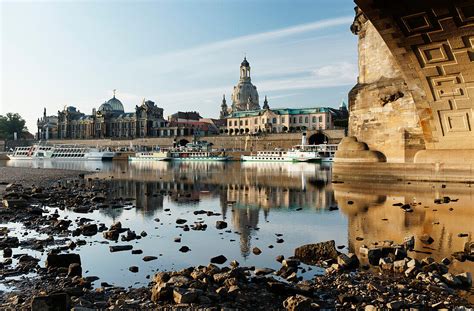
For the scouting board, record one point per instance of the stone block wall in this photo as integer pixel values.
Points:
(382, 109)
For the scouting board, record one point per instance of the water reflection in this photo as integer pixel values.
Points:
(259, 200)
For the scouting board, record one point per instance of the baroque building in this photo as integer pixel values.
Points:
(244, 96)
(47, 126)
(111, 121)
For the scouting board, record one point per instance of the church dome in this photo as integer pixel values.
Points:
(245, 95)
(105, 107)
(115, 104)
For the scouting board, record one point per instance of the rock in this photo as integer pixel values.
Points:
(451, 280)
(374, 254)
(133, 269)
(180, 221)
(7, 252)
(89, 229)
(149, 258)
(263, 271)
(234, 264)
(280, 258)
(409, 242)
(184, 249)
(445, 261)
(312, 253)
(143, 234)
(221, 224)
(411, 271)
(120, 248)
(413, 263)
(161, 277)
(349, 261)
(297, 303)
(9, 241)
(219, 259)
(181, 295)
(396, 305)
(463, 235)
(256, 251)
(177, 240)
(74, 269)
(291, 263)
(111, 235)
(465, 278)
(137, 251)
(129, 236)
(62, 260)
(426, 239)
(14, 203)
(427, 261)
(161, 292)
(53, 302)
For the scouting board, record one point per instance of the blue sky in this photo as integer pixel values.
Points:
(183, 55)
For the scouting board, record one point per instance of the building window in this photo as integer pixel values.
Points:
(301, 119)
(274, 120)
(256, 121)
(320, 119)
(240, 122)
(314, 119)
(246, 122)
(282, 120)
(306, 119)
(235, 123)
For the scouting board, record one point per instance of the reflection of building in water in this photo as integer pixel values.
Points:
(374, 202)
(245, 220)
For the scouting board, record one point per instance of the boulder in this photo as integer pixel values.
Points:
(62, 260)
(149, 258)
(297, 303)
(256, 251)
(74, 269)
(426, 239)
(349, 261)
(219, 259)
(263, 271)
(119, 248)
(181, 295)
(312, 253)
(14, 203)
(161, 292)
(221, 224)
(89, 229)
(53, 302)
(374, 254)
(133, 269)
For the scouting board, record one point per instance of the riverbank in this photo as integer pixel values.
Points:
(392, 279)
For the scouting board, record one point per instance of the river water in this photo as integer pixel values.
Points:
(296, 202)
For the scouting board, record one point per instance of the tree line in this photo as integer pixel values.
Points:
(12, 123)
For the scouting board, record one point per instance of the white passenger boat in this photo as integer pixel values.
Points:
(198, 151)
(150, 156)
(281, 156)
(60, 152)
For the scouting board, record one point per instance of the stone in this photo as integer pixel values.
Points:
(263, 271)
(62, 260)
(297, 303)
(161, 277)
(184, 249)
(133, 269)
(374, 254)
(219, 259)
(465, 278)
(445, 261)
(291, 262)
(426, 239)
(161, 292)
(181, 295)
(396, 305)
(177, 240)
(120, 248)
(469, 248)
(221, 224)
(149, 258)
(53, 302)
(349, 261)
(14, 203)
(7, 252)
(256, 251)
(89, 229)
(280, 258)
(111, 235)
(74, 269)
(312, 253)
(180, 221)
(137, 251)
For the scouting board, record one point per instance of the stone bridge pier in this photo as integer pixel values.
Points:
(414, 99)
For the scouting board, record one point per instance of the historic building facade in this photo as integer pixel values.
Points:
(111, 121)
(246, 117)
(47, 127)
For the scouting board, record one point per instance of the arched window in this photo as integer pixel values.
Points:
(314, 119)
(306, 119)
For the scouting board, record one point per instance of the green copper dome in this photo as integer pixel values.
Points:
(115, 104)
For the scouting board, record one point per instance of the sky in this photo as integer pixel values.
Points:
(182, 54)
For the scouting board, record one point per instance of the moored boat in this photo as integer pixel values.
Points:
(150, 156)
(60, 152)
(198, 151)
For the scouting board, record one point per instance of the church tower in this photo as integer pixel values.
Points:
(265, 103)
(224, 108)
(245, 95)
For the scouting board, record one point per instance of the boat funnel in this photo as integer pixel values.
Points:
(303, 139)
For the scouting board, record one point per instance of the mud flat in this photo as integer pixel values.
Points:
(384, 276)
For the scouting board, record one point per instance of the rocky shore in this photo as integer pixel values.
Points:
(383, 277)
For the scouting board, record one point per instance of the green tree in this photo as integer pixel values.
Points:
(11, 123)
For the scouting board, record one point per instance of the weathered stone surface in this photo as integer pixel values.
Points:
(312, 253)
(74, 269)
(53, 302)
(62, 260)
(219, 259)
(297, 303)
